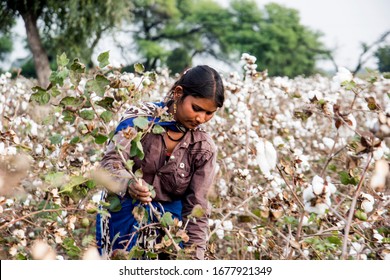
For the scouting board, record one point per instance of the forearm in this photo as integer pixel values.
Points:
(113, 163)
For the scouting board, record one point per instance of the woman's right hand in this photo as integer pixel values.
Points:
(138, 189)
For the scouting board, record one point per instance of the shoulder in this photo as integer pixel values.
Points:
(203, 139)
(143, 109)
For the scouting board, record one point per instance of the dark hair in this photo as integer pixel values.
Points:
(201, 81)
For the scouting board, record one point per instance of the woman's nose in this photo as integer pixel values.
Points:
(201, 117)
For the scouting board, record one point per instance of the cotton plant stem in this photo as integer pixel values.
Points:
(344, 253)
(230, 212)
(292, 191)
(35, 213)
(158, 216)
(288, 241)
(332, 154)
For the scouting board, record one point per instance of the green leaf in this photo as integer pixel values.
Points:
(130, 164)
(72, 103)
(152, 191)
(54, 91)
(40, 95)
(115, 203)
(103, 59)
(55, 179)
(136, 147)
(141, 122)
(349, 85)
(166, 219)
(106, 103)
(87, 114)
(197, 211)
(361, 215)
(69, 116)
(106, 116)
(71, 249)
(75, 140)
(347, 179)
(138, 173)
(58, 77)
(290, 220)
(97, 85)
(56, 139)
(158, 129)
(77, 69)
(100, 139)
(139, 68)
(334, 240)
(151, 255)
(73, 182)
(62, 60)
(77, 66)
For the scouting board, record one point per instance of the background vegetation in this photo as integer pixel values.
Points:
(169, 33)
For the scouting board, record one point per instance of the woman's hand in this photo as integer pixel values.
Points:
(138, 189)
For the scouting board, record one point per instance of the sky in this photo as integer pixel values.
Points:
(344, 23)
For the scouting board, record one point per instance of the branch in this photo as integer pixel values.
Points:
(344, 253)
(366, 49)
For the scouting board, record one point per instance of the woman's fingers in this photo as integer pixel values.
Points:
(140, 192)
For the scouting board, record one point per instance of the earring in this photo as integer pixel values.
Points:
(174, 108)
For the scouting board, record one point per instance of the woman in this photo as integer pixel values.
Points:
(179, 163)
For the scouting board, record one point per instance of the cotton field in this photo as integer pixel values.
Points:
(303, 164)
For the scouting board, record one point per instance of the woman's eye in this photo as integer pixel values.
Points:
(196, 109)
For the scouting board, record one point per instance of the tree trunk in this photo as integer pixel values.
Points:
(41, 61)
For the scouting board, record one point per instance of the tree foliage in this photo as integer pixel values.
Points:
(163, 30)
(275, 36)
(383, 56)
(56, 26)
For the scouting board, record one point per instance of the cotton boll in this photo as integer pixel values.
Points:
(343, 75)
(319, 208)
(329, 143)
(266, 156)
(308, 194)
(227, 225)
(367, 206)
(318, 185)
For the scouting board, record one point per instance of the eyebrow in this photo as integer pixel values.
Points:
(202, 109)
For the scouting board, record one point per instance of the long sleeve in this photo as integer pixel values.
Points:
(112, 161)
(196, 194)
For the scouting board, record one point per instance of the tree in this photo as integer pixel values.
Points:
(275, 36)
(6, 46)
(53, 26)
(161, 29)
(383, 56)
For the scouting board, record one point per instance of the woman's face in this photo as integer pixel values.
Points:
(193, 111)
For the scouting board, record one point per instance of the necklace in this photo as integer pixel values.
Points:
(181, 127)
(173, 139)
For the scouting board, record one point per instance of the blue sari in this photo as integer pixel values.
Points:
(123, 226)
